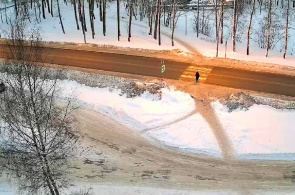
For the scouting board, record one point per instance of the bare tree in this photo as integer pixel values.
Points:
(151, 15)
(81, 15)
(37, 136)
(198, 18)
(286, 29)
(91, 16)
(60, 19)
(175, 15)
(249, 27)
(174, 21)
(269, 27)
(75, 10)
(221, 21)
(234, 24)
(130, 19)
(159, 30)
(104, 28)
(118, 19)
(219, 25)
(157, 20)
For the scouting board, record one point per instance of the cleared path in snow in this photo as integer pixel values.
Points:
(208, 113)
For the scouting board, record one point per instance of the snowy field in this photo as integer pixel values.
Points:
(96, 189)
(116, 189)
(51, 31)
(261, 133)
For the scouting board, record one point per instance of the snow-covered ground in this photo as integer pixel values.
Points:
(207, 45)
(139, 113)
(261, 133)
(102, 189)
(116, 189)
(51, 31)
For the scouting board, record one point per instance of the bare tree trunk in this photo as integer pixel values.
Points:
(234, 25)
(141, 10)
(156, 21)
(198, 18)
(84, 18)
(104, 17)
(218, 29)
(286, 30)
(59, 15)
(1, 16)
(216, 19)
(159, 22)
(51, 6)
(164, 13)
(222, 10)
(6, 14)
(15, 8)
(91, 16)
(173, 22)
(81, 19)
(203, 19)
(269, 27)
(43, 9)
(130, 20)
(48, 6)
(100, 10)
(75, 10)
(249, 28)
(118, 19)
(151, 20)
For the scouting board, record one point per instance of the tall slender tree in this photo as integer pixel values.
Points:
(249, 27)
(198, 18)
(234, 24)
(156, 21)
(91, 16)
(221, 18)
(159, 40)
(286, 29)
(130, 19)
(118, 19)
(75, 10)
(269, 27)
(60, 19)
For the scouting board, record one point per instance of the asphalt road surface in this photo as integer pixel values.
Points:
(242, 79)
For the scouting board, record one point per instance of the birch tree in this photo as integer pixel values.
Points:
(118, 19)
(286, 29)
(249, 27)
(234, 24)
(269, 27)
(37, 135)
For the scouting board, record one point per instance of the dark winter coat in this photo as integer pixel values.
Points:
(197, 76)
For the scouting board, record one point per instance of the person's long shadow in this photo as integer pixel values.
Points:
(205, 109)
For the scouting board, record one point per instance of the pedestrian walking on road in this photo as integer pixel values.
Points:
(197, 76)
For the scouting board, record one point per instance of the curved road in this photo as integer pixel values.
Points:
(147, 66)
